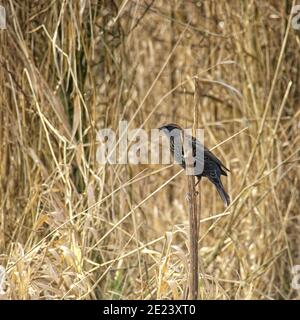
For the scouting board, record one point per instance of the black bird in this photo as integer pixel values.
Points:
(213, 168)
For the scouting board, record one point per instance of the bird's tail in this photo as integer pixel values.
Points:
(222, 192)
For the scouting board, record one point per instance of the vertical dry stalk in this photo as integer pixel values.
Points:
(196, 125)
(194, 206)
(193, 238)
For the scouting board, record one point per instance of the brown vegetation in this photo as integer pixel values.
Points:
(72, 229)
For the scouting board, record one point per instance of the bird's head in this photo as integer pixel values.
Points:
(168, 128)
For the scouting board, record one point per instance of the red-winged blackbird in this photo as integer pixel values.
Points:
(213, 168)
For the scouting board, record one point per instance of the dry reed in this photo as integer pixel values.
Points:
(72, 229)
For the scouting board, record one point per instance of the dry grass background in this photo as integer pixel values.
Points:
(72, 229)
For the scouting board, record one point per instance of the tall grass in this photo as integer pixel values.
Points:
(73, 229)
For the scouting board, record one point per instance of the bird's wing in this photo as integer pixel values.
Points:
(215, 159)
(209, 154)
